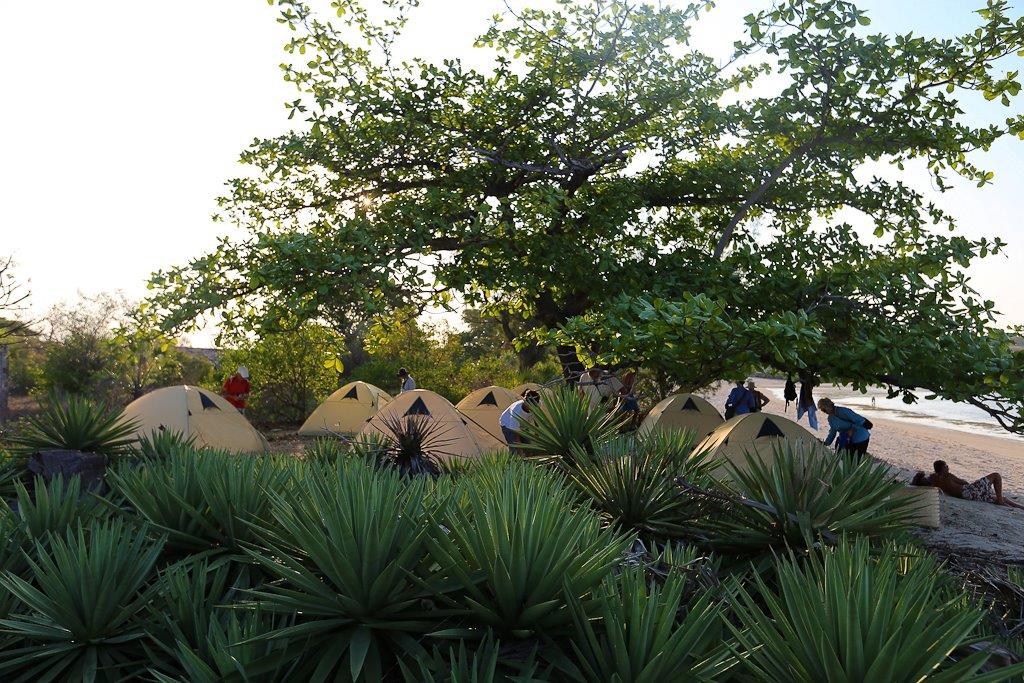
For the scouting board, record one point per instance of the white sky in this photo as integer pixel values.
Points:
(120, 123)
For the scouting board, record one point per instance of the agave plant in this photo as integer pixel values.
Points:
(413, 444)
(82, 606)
(201, 640)
(847, 614)
(517, 548)
(163, 443)
(632, 484)
(54, 507)
(801, 496)
(484, 663)
(325, 450)
(647, 632)
(204, 500)
(348, 554)
(11, 470)
(13, 541)
(77, 424)
(566, 425)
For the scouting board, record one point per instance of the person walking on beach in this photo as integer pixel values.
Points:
(843, 420)
(405, 380)
(805, 404)
(760, 400)
(740, 401)
(988, 489)
(513, 416)
(236, 388)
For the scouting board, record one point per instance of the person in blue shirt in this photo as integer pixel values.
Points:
(740, 402)
(845, 421)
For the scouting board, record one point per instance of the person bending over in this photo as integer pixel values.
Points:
(514, 416)
(988, 489)
(842, 420)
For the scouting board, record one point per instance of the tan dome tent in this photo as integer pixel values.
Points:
(455, 436)
(757, 434)
(483, 409)
(683, 411)
(528, 386)
(197, 413)
(346, 410)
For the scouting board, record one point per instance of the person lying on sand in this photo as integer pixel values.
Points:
(988, 489)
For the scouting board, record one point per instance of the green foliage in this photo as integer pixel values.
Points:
(83, 607)
(327, 451)
(54, 507)
(809, 495)
(846, 614)
(514, 544)
(602, 166)
(360, 608)
(163, 443)
(565, 427)
(201, 641)
(483, 664)
(78, 424)
(290, 371)
(631, 483)
(637, 630)
(201, 500)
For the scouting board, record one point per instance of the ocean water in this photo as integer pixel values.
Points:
(938, 412)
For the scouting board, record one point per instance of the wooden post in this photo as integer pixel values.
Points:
(4, 383)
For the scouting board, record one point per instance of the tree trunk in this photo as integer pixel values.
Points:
(4, 382)
(572, 366)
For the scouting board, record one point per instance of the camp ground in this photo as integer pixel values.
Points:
(451, 435)
(197, 414)
(757, 436)
(684, 412)
(346, 411)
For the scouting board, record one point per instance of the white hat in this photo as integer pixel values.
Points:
(243, 371)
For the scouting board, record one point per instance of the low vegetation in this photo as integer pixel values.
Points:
(625, 561)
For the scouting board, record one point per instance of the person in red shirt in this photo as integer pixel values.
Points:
(236, 388)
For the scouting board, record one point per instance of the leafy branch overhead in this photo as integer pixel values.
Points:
(600, 164)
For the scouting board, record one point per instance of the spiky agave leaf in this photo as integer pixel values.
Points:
(566, 425)
(632, 484)
(55, 506)
(163, 443)
(480, 662)
(325, 450)
(204, 500)
(850, 614)
(201, 635)
(348, 554)
(415, 443)
(83, 606)
(807, 494)
(647, 632)
(516, 546)
(77, 424)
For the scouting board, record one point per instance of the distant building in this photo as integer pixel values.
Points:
(212, 355)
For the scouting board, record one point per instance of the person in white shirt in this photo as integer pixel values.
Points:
(406, 380)
(597, 387)
(514, 416)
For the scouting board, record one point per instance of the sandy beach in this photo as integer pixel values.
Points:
(980, 530)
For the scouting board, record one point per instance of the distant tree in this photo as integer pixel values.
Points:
(604, 165)
(290, 371)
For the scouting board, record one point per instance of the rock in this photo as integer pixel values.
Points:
(90, 467)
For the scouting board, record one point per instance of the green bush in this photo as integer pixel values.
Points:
(847, 614)
(362, 607)
(81, 613)
(54, 507)
(78, 424)
(632, 484)
(518, 548)
(806, 496)
(647, 632)
(202, 500)
(566, 427)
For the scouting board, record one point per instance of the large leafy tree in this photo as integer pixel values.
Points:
(603, 179)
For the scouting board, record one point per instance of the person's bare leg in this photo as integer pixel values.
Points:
(1010, 504)
(997, 484)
